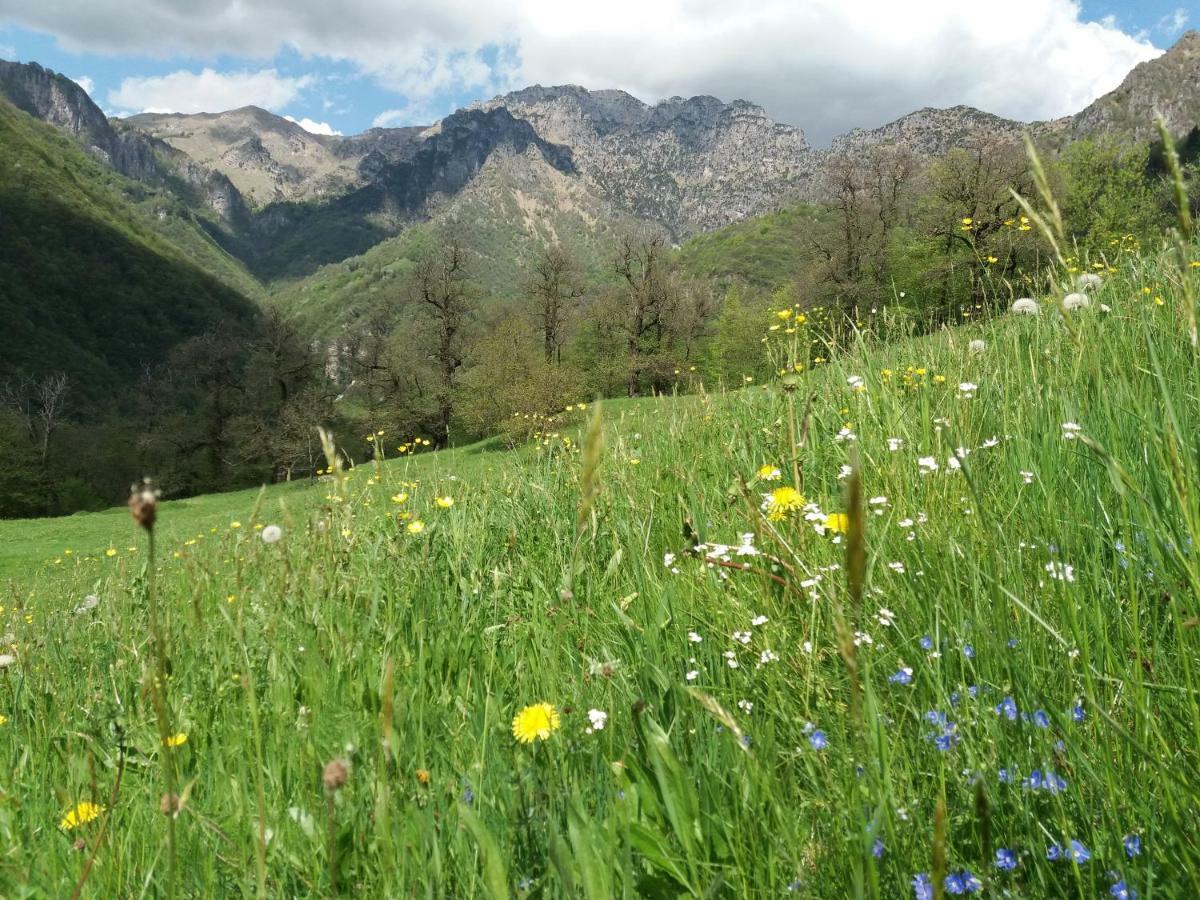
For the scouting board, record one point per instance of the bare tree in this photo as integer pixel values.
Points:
(555, 283)
(440, 284)
(649, 293)
(39, 404)
(866, 195)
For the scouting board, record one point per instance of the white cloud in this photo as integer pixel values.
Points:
(825, 65)
(86, 83)
(314, 127)
(8, 51)
(1173, 24)
(409, 114)
(208, 91)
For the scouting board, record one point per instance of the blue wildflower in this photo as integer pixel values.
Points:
(1050, 781)
(1054, 852)
(922, 887)
(926, 642)
(972, 691)
(468, 795)
(1080, 853)
(1007, 708)
(1041, 719)
(746, 741)
(946, 740)
(962, 883)
(817, 740)
(1133, 845)
(1012, 643)
(903, 676)
(1005, 859)
(795, 886)
(877, 848)
(968, 651)
(933, 717)
(1077, 713)
(1007, 777)
(1122, 891)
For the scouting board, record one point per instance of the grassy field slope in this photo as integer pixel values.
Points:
(998, 692)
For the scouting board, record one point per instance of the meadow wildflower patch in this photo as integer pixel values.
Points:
(914, 637)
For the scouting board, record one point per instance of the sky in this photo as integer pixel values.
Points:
(342, 66)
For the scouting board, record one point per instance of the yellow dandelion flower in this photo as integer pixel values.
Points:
(769, 473)
(781, 502)
(838, 523)
(3, 719)
(445, 502)
(400, 497)
(416, 526)
(176, 740)
(111, 551)
(536, 722)
(784, 314)
(83, 812)
(235, 525)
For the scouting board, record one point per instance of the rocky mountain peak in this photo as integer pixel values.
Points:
(1168, 85)
(688, 163)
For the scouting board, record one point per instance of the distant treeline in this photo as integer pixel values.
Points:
(897, 245)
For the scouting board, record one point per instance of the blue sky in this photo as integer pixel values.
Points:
(824, 65)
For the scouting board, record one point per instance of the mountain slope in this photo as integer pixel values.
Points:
(87, 286)
(688, 165)
(1168, 85)
(295, 238)
(269, 158)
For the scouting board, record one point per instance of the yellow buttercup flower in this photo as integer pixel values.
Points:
(416, 526)
(838, 523)
(176, 740)
(781, 502)
(444, 502)
(536, 722)
(83, 812)
(400, 497)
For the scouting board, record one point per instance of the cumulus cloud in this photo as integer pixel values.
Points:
(314, 127)
(207, 91)
(86, 83)
(826, 65)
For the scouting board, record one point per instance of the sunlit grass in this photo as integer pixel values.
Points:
(1024, 648)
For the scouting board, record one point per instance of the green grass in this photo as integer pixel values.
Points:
(406, 654)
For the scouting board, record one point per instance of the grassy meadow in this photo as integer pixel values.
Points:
(964, 661)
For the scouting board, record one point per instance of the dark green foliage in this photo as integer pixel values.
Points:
(86, 287)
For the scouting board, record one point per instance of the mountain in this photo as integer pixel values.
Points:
(59, 101)
(294, 238)
(543, 163)
(929, 132)
(688, 165)
(270, 159)
(89, 284)
(1168, 85)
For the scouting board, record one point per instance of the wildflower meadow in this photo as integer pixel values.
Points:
(919, 619)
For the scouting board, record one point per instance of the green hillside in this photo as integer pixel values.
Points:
(762, 252)
(92, 281)
(650, 667)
